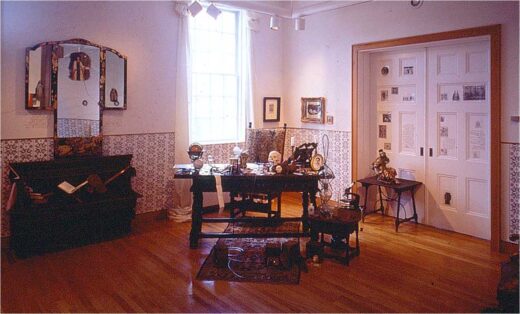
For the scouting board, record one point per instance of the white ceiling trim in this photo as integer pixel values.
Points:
(287, 9)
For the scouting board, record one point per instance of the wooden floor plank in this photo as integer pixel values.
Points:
(418, 269)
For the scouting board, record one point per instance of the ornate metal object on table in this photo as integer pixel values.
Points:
(384, 173)
(195, 152)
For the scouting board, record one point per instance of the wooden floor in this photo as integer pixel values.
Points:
(419, 269)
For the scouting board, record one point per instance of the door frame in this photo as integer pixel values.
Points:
(494, 33)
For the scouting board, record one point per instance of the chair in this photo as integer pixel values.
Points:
(259, 143)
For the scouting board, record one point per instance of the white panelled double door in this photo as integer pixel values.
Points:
(432, 105)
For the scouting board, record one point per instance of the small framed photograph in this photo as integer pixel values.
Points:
(408, 70)
(330, 119)
(475, 92)
(313, 110)
(395, 90)
(387, 117)
(382, 131)
(384, 95)
(272, 109)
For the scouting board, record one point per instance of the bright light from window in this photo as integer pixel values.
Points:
(216, 114)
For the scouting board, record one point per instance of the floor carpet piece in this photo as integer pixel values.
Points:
(247, 257)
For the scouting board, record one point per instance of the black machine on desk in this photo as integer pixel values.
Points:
(46, 218)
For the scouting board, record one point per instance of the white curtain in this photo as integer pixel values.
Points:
(182, 199)
(246, 65)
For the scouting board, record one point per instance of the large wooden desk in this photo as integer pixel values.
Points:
(248, 183)
(403, 186)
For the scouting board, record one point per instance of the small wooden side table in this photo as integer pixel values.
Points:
(403, 186)
(340, 226)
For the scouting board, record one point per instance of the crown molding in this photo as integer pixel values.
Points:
(289, 10)
(305, 8)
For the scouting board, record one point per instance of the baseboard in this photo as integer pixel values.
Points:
(150, 216)
(508, 247)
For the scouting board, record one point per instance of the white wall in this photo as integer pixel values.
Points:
(146, 32)
(317, 62)
(267, 69)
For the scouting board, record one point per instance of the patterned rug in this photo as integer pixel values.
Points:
(247, 257)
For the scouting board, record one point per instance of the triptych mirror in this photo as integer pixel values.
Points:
(77, 80)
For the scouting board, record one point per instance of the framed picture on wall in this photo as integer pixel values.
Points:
(271, 109)
(313, 110)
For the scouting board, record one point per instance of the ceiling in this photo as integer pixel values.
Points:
(290, 9)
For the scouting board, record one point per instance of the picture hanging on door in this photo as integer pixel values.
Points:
(477, 136)
(395, 90)
(474, 92)
(447, 135)
(407, 66)
(449, 92)
(408, 93)
(387, 146)
(408, 71)
(384, 95)
(456, 96)
(387, 117)
(443, 131)
(385, 70)
(382, 131)
(408, 122)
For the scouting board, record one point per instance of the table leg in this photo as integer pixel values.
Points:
(347, 249)
(314, 234)
(365, 205)
(312, 197)
(357, 240)
(413, 203)
(196, 219)
(398, 208)
(381, 207)
(305, 214)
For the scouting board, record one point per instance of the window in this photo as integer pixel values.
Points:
(217, 113)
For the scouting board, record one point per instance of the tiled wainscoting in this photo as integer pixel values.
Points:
(153, 160)
(514, 187)
(338, 155)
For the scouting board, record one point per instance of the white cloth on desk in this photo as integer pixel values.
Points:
(220, 196)
(182, 201)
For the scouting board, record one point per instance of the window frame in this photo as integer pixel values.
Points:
(240, 105)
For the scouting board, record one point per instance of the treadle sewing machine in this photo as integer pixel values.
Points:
(70, 202)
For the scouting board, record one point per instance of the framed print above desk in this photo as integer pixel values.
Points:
(272, 109)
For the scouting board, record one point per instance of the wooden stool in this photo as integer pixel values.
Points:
(339, 226)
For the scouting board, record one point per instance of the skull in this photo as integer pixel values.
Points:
(275, 157)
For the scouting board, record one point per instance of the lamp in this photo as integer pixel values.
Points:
(299, 24)
(275, 23)
(213, 11)
(195, 8)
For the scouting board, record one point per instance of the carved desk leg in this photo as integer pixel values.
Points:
(305, 214)
(196, 218)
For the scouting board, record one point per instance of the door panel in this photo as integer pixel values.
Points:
(437, 98)
(458, 134)
(399, 88)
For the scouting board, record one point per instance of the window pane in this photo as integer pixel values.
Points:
(215, 115)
